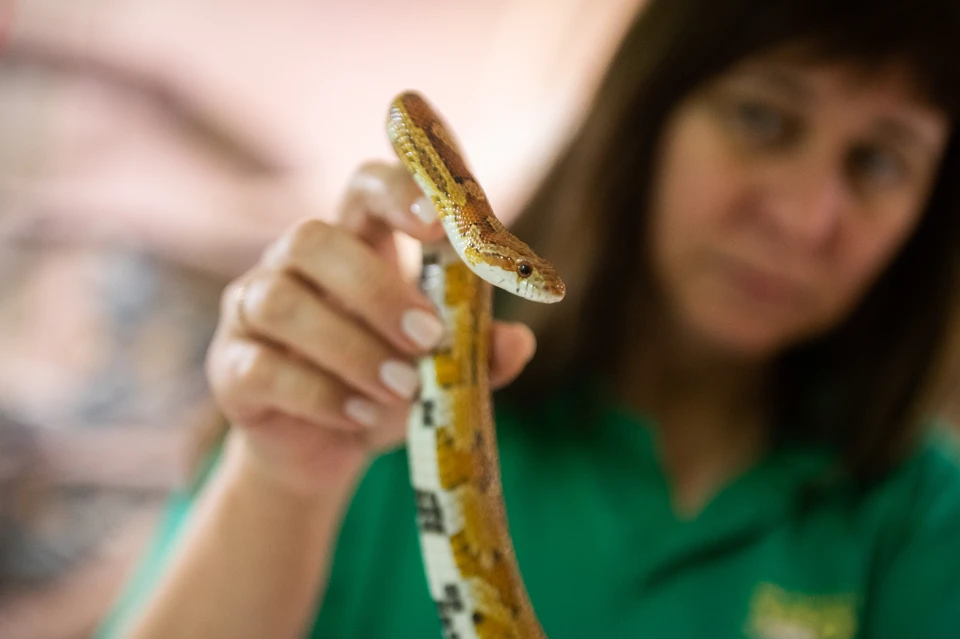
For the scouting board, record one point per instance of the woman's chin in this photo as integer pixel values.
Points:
(742, 336)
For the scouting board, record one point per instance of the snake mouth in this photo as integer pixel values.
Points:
(552, 294)
(552, 289)
(555, 292)
(540, 290)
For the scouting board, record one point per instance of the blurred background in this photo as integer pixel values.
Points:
(150, 151)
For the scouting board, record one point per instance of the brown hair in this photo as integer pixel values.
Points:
(860, 388)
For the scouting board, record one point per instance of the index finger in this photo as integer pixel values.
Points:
(381, 198)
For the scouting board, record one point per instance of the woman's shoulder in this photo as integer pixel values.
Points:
(918, 500)
(915, 587)
(929, 479)
(939, 453)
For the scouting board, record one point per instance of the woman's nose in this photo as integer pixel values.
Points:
(807, 209)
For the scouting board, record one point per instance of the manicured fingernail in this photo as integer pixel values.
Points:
(400, 378)
(362, 411)
(422, 327)
(423, 208)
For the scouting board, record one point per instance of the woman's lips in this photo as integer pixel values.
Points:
(764, 286)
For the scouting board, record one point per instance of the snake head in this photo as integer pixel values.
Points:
(496, 255)
(537, 280)
(523, 274)
(427, 149)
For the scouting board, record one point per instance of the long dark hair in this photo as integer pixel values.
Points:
(860, 388)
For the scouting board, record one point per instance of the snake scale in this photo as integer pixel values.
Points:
(468, 555)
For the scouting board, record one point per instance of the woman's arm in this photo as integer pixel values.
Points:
(251, 561)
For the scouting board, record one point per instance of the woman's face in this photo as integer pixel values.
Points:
(784, 189)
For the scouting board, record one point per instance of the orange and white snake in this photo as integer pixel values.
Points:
(469, 559)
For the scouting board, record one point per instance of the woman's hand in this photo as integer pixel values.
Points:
(313, 359)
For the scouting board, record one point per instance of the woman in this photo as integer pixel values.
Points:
(724, 431)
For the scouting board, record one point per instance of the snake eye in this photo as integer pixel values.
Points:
(524, 269)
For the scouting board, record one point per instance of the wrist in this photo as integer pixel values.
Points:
(250, 474)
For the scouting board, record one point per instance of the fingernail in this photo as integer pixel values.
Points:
(422, 327)
(423, 208)
(362, 411)
(400, 378)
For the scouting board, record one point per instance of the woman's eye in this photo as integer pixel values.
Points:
(762, 123)
(876, 166)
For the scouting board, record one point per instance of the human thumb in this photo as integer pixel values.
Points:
(511, 347)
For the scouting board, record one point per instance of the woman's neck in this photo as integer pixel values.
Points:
(708, 407)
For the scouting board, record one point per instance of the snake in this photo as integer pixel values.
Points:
(468, 556)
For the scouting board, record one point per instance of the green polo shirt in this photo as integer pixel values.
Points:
(777, 553)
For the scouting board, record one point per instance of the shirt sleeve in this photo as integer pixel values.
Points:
(917, 594)
(154, 560)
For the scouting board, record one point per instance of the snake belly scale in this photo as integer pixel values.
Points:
(471, 568)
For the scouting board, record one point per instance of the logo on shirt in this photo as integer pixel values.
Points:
(776, 613)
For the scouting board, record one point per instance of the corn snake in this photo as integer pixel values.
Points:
(471, 568)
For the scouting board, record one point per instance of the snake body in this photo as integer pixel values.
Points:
(471, 568)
